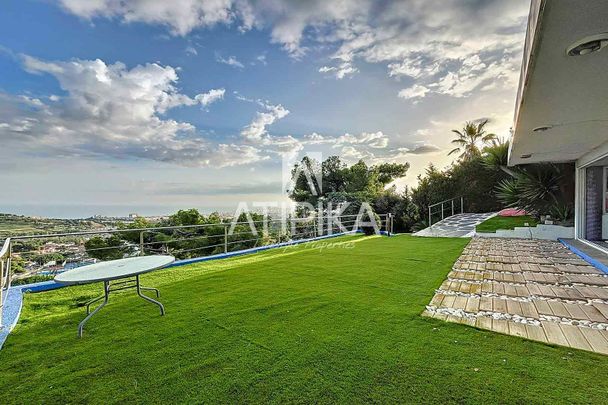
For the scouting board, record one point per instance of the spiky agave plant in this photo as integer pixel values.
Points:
(534, 188)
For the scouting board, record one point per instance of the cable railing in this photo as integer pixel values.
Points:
(37, 257)
(452, 205)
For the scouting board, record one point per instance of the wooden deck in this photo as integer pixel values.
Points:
(533, 289)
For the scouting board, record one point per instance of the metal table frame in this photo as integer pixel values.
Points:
(124, 284)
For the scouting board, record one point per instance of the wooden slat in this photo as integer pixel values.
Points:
(596, 340)
(500, 326)
(594, 314)
(472, 305)
(554, 333)
(514, 308)
(510, 290)
(460, 302)
(575, 337)
(536, 333)
(448, 301)
(484, 322)
(437, 299)
(603, 308)
(529, 310)
(517, 329)
(499, 305)
(576, 312)
(542, 307)
(559, 309)
(485, 304)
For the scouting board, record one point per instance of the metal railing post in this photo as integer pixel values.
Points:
(452, 207)
(1, 289)
(462, 205)
(225, 238)
(6, 252)
(442, 211)
(430, 219)
(141, 243)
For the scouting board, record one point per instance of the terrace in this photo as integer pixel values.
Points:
(304, 323)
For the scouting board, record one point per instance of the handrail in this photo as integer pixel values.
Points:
(221, 237)
(164, 228)
(5, 273)
(461, 198)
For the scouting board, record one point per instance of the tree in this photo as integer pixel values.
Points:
(471, 139)
(342, 184)
(110, 248)
(496, 154)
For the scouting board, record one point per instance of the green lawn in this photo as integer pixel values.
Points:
(297, 325)
(491, 225)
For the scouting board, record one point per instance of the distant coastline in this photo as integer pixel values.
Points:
(83, 211)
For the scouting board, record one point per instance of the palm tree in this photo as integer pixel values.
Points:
(471, 139)
(496, 154)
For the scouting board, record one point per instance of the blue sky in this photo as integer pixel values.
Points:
(111, 106)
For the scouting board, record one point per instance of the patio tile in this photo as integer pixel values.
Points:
(543, 307)
(517, 329)
(560, 281)
(603, 308)
(554, 333)
(472, 305)
(500, 326)
(596, 340)
(485, 304)
(559, 309)
(536, 333)
(499, 305)
(593, 314)
(575, 337)
(484, 322)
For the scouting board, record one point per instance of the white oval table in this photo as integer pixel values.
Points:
(116, 275)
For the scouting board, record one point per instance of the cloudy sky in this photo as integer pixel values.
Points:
(118, 106)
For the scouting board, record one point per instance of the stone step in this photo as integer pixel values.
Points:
(527, 277)
(526, 267)
(596, 312)
(578, 337)
(575, 293)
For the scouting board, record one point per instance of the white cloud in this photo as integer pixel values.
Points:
(256, 130)
(432, 41)
(190, 50)
(345, 69)
(261, 59)
(376, 140)
(111, 110)
(230, 61)
(210, 97)
(181, 16)
(415, 92)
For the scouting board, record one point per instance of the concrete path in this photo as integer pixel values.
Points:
(456, 226)
(534, 289)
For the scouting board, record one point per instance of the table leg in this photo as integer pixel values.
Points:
(139, 288)
(88, 304)
(106, 293)
(151, 289)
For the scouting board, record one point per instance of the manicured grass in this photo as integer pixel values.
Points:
(298, 325)
(491, 225)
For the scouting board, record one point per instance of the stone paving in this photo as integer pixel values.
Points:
(533, 289)
(459, 225)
